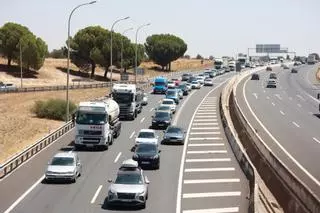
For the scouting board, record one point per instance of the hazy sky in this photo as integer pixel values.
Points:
(209, 27)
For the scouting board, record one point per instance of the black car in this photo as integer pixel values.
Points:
(255, 76)
(174, 134)
(210, 73)
(293, 70)
(185, 77)
(273, 75)
(161, 119)
(147, 155)
(184, 89)
(269, 69)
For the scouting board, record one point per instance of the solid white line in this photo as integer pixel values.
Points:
(315, 139)
(142, 119)
(217, 169)
(299, 105)
(205, 116)
(208, 152)
(209, 138)
(197, 160)
(211, 194)
(264, 91)
(206, 113)
(132, 134)
(255, 95)
(273, 104)
(299, 96)
(216, 210)
(203, 128)
(179, 188)
(181, 108)
(151, 109)
(205, 144)
(226, 180)
(204, 124)
(297, 125)
(199, 120)
(96, 194)
(117, 158)
(24, 195)
(282, 112)
(204, 133)
(276, 141)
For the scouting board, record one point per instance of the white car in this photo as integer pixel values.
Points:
(171, 103)
(146, 136)
(195, 85)
(208, 82)
(200, 79)
(189, 87)
(145, 99)
(171, 84)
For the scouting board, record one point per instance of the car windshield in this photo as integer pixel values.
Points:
(194, 82)
(164, 108)
(146, 148)
(174, 130)
(146, 135)
(129, 178)
(159, 83)
(123, 97)
(62, 161)
(182, 86)
(90, 118)
(171, 93)
(167, 102)
(162, 115)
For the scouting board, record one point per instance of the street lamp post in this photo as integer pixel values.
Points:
(68, 63)
(20, 64)
(121, 55)
(111, 65)
(136, 52)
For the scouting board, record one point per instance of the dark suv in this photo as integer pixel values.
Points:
(255, 76)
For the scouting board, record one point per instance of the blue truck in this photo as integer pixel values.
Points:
(160, 85)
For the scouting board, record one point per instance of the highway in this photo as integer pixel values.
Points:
(201, 176)
(286, 118)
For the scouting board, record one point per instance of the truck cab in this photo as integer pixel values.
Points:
(160, 85)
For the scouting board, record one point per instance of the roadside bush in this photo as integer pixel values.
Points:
(52, 109)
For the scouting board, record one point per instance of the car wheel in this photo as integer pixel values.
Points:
(73, 180)
(143, 206)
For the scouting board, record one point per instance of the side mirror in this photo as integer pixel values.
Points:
(110, 181)
(48, 163)
(78, 164)
(152, 116)
(159, 150)
(147, 180)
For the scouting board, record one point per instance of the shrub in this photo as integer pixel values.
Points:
(52, 109)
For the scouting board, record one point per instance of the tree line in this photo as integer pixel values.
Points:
(89, 47)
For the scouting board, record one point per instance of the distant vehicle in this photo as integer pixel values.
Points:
(252, 65)
(255, 76)
(297, 63)
(218, 63)
(160, 85)
(173, 94)
(294, 70)
(200, 79)
(271, 83)
(185, 76)
(174, 134)
(165, 108)
(273, 75)
(208, 82)
(247, 64)
(145, 99)
(146, 136)
(195, 85)
(180, 93)
(311, 59)
(286, 67)
(269, 68)
(147, 155)
(176, 81)
(7, 87)
(161, 119)
(209, 73)
(189, 87)
(170, 103)
(171, 84)
(184, 88)
(232, 65)
(192, 78)
(64, 166)
(129, 183)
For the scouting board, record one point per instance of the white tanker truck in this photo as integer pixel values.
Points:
(97, 123)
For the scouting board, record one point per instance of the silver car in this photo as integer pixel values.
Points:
(130, 186)
(65, 166)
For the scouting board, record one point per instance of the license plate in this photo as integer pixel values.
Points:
(145, 162)
(89, 145)
(161, 124)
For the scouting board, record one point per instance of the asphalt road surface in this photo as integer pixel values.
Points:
(202, 175)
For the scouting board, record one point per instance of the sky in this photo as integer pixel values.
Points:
(209, 27)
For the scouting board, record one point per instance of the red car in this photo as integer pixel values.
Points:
(176, 81)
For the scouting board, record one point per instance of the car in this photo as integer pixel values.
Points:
(200, 79)
(192, 78)
(146, 136)
(173, 94)
(171, 84)
(163, 108)
(273, 75)
(64, 166)
(130, 186)
(252, 65)
(176, 81)
(180, 92)
(271, 83)
(195, 85)
(170, 103)
(147, 155)
(206, 75)
(286, 67)
(294, 70)
(7, 87)
(161, 119)
(268, 69)
(210, 73)
(174, 134)
(183, 87)
(189, 87)
(145, 99)
(255, 76)
(208, 82)
(185, 77)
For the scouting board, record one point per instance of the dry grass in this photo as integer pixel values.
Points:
(318, 74)
(19, 128)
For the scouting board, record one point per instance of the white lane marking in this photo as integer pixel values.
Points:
(268, 97)
(208, 105)
(282, 112)
(96, 194)
(181, 108)
(255, 95)
(24, 195)
(151, 109)
(208, 138)
(206, 116)
(278, 96)
(225, 180)
(299, 105)
(117, 158)
(208, 152)
(200, 160)
(142, 119)
(216, 169)
(211, 194)
(207, 110)
(294, 123)
(205, 128)
(264, 91)
(275, 140)
(299, 96)
(206, 113)
(199, 120)
(273, 104)
(205, 124)
(312, 98)
(213, 109)
(215, 210)
(205, 144)
(132, 134)
(179, 190)
(204, 133)
(316, 140)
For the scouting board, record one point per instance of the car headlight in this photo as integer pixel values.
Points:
(155, 157)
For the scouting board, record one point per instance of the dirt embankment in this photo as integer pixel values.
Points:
(19, 128)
